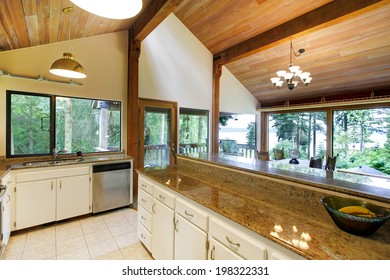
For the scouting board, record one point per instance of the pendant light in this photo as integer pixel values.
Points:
(115, 9)
(67, 66)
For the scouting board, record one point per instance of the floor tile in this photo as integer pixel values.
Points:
(107, 236)
(102, 248)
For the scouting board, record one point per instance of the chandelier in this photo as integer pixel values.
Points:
(295, 74)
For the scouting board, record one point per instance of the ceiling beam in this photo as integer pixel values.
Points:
(151, 17)
(327, 15)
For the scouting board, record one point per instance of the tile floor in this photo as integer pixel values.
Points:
(106, 236)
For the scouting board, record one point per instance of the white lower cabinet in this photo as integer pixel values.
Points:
(44, 197)
(235, 239)
(218, 251)
(35, 203)
(162, 228)
(5, 212)
(72, 197)
(190, 241)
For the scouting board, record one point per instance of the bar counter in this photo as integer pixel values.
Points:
(280, 205)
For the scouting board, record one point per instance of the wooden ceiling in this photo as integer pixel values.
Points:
(347, 42)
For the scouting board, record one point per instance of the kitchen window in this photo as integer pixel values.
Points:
(38, 124)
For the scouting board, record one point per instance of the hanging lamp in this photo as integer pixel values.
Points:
(67, 66)
(291, 76)
(114, 9)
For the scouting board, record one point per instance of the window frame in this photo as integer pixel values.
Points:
(329, 120)
(52, 140)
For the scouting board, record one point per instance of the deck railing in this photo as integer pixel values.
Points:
(158, 155)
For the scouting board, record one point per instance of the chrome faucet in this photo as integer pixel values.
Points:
(55, 152)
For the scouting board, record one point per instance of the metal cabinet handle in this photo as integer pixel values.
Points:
(51, 185)
(212, 253)
(143, 236)
(231, 242)
(160, 196)
(175, 224)
(143, 218)
(154, 204)
(143, 200)
(188, 214)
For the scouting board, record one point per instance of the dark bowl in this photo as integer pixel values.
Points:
(357, 225)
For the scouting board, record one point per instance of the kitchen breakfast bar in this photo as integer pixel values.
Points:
(280, 202)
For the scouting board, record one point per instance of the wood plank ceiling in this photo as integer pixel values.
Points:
(346, 55)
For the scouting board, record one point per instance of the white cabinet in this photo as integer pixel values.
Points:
(72, 197)
(51, 195)
(6, 212)
(190, 241)
(236, 239)
(218, 251)
(145, 217)
(35, 203)
(162, 229)
(191, 226)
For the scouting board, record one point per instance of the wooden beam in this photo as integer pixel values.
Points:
(152, 16)
(217, 72)
(322, 17)
(132, 106)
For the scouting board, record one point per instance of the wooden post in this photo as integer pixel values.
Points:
(217, 72)
(132, 106)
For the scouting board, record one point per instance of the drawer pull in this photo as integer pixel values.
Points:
(188, 214)
(160, 196)
(144, 186)
(154, 211)
(143, 218)
(143, 200)
(212, 253)
(143, 236)
(231, 242)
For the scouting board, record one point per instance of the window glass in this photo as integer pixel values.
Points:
(193, 130)
(29, 118)
(237, 135)
(85, 125)
(361, 138)
(305, 132)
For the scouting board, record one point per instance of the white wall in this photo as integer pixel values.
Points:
(176, 66)
(103, 57)
(234, 97)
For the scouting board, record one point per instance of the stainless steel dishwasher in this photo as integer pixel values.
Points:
(112, 186)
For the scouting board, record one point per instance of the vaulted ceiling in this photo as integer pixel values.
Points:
(347, 43)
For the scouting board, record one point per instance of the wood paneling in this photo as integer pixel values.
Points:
(27, 23)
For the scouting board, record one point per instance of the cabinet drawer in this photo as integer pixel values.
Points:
(236, 240)
(145, 218)
(51, 173)
(145, 185)
(145, 237)
(192, 214)
(164, 197)
(145, 200)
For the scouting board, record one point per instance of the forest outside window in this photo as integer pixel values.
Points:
(193, 130)
(37, 124)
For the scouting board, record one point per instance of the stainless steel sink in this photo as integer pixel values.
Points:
(53, 162)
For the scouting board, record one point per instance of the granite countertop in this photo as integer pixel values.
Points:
(274, 219)
(353, 184)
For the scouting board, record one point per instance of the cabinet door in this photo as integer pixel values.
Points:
(6, 222)
(35, 203)
(190, 241)
(162, 231)
(73, 197)
(219, 251)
